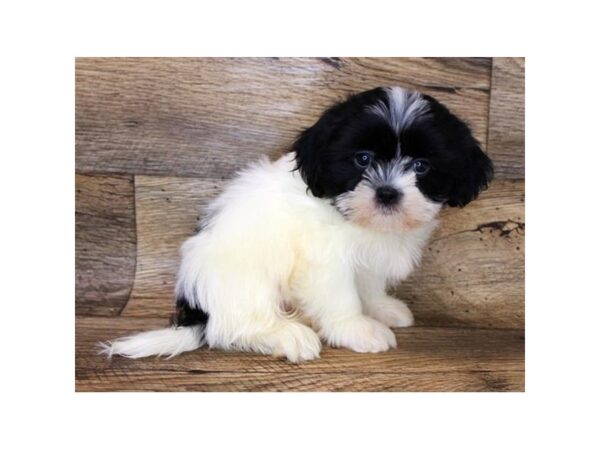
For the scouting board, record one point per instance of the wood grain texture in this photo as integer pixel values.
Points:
(186, 117)
(427, 359)
(186, 381)
(168, 210)
(506, 138)
(472, 273)
(105, 243)
(473, 270)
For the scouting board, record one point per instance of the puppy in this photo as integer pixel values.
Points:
(300, 251)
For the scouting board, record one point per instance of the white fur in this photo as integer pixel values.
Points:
(404, 107)
(168, 341)
(269, 248)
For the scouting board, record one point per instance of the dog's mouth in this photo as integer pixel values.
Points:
(388, 210)
(365, 209)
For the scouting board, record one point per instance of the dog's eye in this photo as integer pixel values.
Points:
(363, 159)
(421, 166)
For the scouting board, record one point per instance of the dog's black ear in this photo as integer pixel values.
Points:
(468, 169)
(313, 147)
(476, 174)
(308, 148)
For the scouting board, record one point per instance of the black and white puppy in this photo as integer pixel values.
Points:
(301, 250)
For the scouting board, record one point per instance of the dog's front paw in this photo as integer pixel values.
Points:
(361, 334)
(390, 311)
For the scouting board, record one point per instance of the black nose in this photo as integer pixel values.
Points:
(387, 195)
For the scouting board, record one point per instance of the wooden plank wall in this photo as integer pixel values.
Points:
(506, 136)
(157, 138)
(105, 243)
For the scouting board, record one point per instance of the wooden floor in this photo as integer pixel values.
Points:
(154, 144)
(427, 359)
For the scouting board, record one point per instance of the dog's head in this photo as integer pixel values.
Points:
(390, 158)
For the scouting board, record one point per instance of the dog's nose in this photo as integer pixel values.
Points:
(387, 195)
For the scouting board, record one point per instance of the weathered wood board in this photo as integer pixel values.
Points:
(210, 116)
(186, 381)
(427, 359)
(506, 138)
(105, 243)
(472, 273)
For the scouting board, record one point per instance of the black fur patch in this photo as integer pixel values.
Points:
(186, 316)
(324, 152)
(459, 168)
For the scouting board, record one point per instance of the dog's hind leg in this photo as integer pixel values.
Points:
(246, 313)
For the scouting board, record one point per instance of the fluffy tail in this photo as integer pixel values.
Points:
(186, 334)
(169, 341)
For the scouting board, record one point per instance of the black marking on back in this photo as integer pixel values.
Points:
(186, 316)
